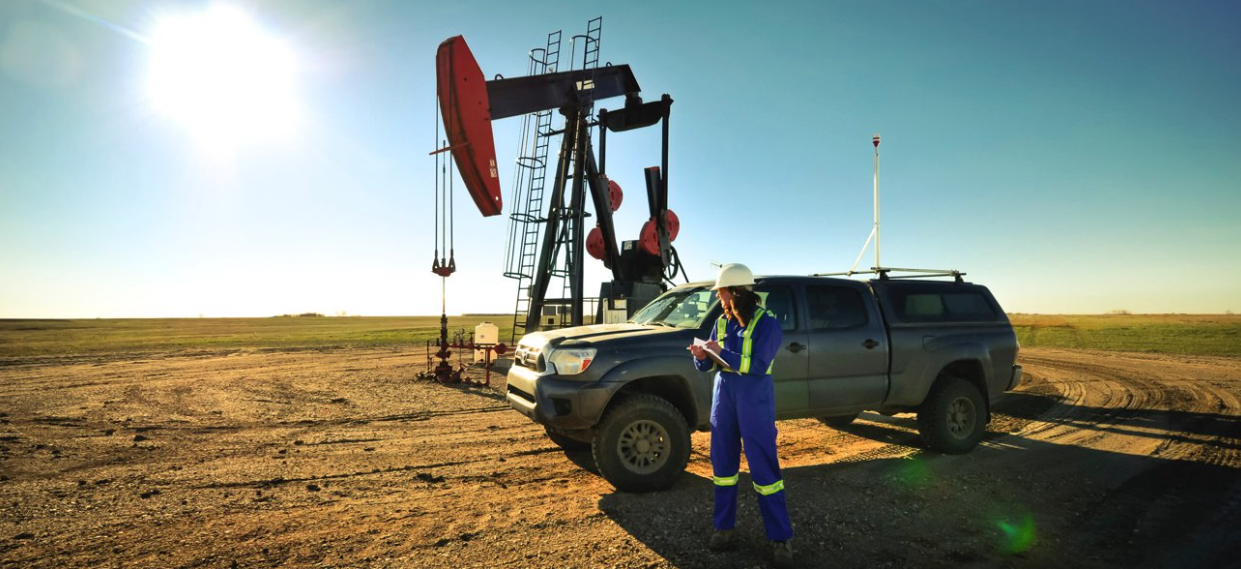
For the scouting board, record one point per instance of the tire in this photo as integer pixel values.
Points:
(952, 420)
(642, 444)
(566, 442)
(839, 422)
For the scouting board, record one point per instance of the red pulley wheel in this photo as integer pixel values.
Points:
(648, 240)
(615, 195)
(594, 243)
(673, 224)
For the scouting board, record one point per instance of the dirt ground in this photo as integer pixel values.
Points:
(339, 458)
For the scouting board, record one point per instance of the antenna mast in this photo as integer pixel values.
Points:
(876, 141)
(874, 234)
(874, 231)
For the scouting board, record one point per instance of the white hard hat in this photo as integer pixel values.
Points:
(733, 274)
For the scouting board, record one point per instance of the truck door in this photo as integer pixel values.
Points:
(848, 350)
(789, 375)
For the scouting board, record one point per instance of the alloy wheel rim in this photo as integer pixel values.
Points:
(643, 446)
(961, 417)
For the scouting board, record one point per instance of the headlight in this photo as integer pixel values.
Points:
(572, 361)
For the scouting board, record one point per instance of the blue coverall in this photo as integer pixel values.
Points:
(743, 410)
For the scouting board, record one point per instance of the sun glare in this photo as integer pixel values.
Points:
(223, 78)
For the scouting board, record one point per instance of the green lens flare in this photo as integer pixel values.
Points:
(1018, 537)
(912, 474)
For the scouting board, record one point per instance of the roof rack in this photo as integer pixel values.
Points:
(884, 275)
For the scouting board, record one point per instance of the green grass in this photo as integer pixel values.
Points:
(1156, 333)
(1197, 334)
(20, 338)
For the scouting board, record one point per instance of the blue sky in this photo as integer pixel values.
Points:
(1073, 156)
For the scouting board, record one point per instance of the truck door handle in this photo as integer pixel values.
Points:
(870, 344)
(795, 347)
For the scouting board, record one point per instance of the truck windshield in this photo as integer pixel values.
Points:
(678, 308)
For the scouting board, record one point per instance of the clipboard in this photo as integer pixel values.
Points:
(714, 356)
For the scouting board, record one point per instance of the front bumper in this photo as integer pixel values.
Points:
(1016, 380)
(559, 403)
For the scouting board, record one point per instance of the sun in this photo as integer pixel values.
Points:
(223, 78)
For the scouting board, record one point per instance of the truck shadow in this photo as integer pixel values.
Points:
(583, 459)
(1014, 502)
(902, 429)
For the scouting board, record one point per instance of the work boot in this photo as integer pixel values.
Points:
(783, 554)
(721, 540)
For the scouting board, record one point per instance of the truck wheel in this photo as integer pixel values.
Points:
(566, 442)
(642, 444)
(951, 418)
(839, 422)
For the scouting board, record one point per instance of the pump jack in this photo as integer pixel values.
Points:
(468, 103)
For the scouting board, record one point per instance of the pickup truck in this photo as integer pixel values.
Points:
(943, 349)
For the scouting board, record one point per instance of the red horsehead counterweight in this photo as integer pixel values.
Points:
(466, 110)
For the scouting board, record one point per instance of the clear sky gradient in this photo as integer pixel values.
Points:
(1073, 156)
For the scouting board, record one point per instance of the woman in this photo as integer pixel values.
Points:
(743, 410)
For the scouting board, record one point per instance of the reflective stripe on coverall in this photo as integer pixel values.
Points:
(743, 410)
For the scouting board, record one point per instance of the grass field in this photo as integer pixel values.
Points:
(1158, 333)
(54, 337)
(1199, 334)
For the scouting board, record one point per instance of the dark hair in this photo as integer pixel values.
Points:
(745, 301)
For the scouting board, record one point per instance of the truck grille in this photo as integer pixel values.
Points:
(531, 358)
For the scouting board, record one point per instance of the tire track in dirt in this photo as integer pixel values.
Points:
(1167, 433)
(1090, 397)
(1116, 395)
